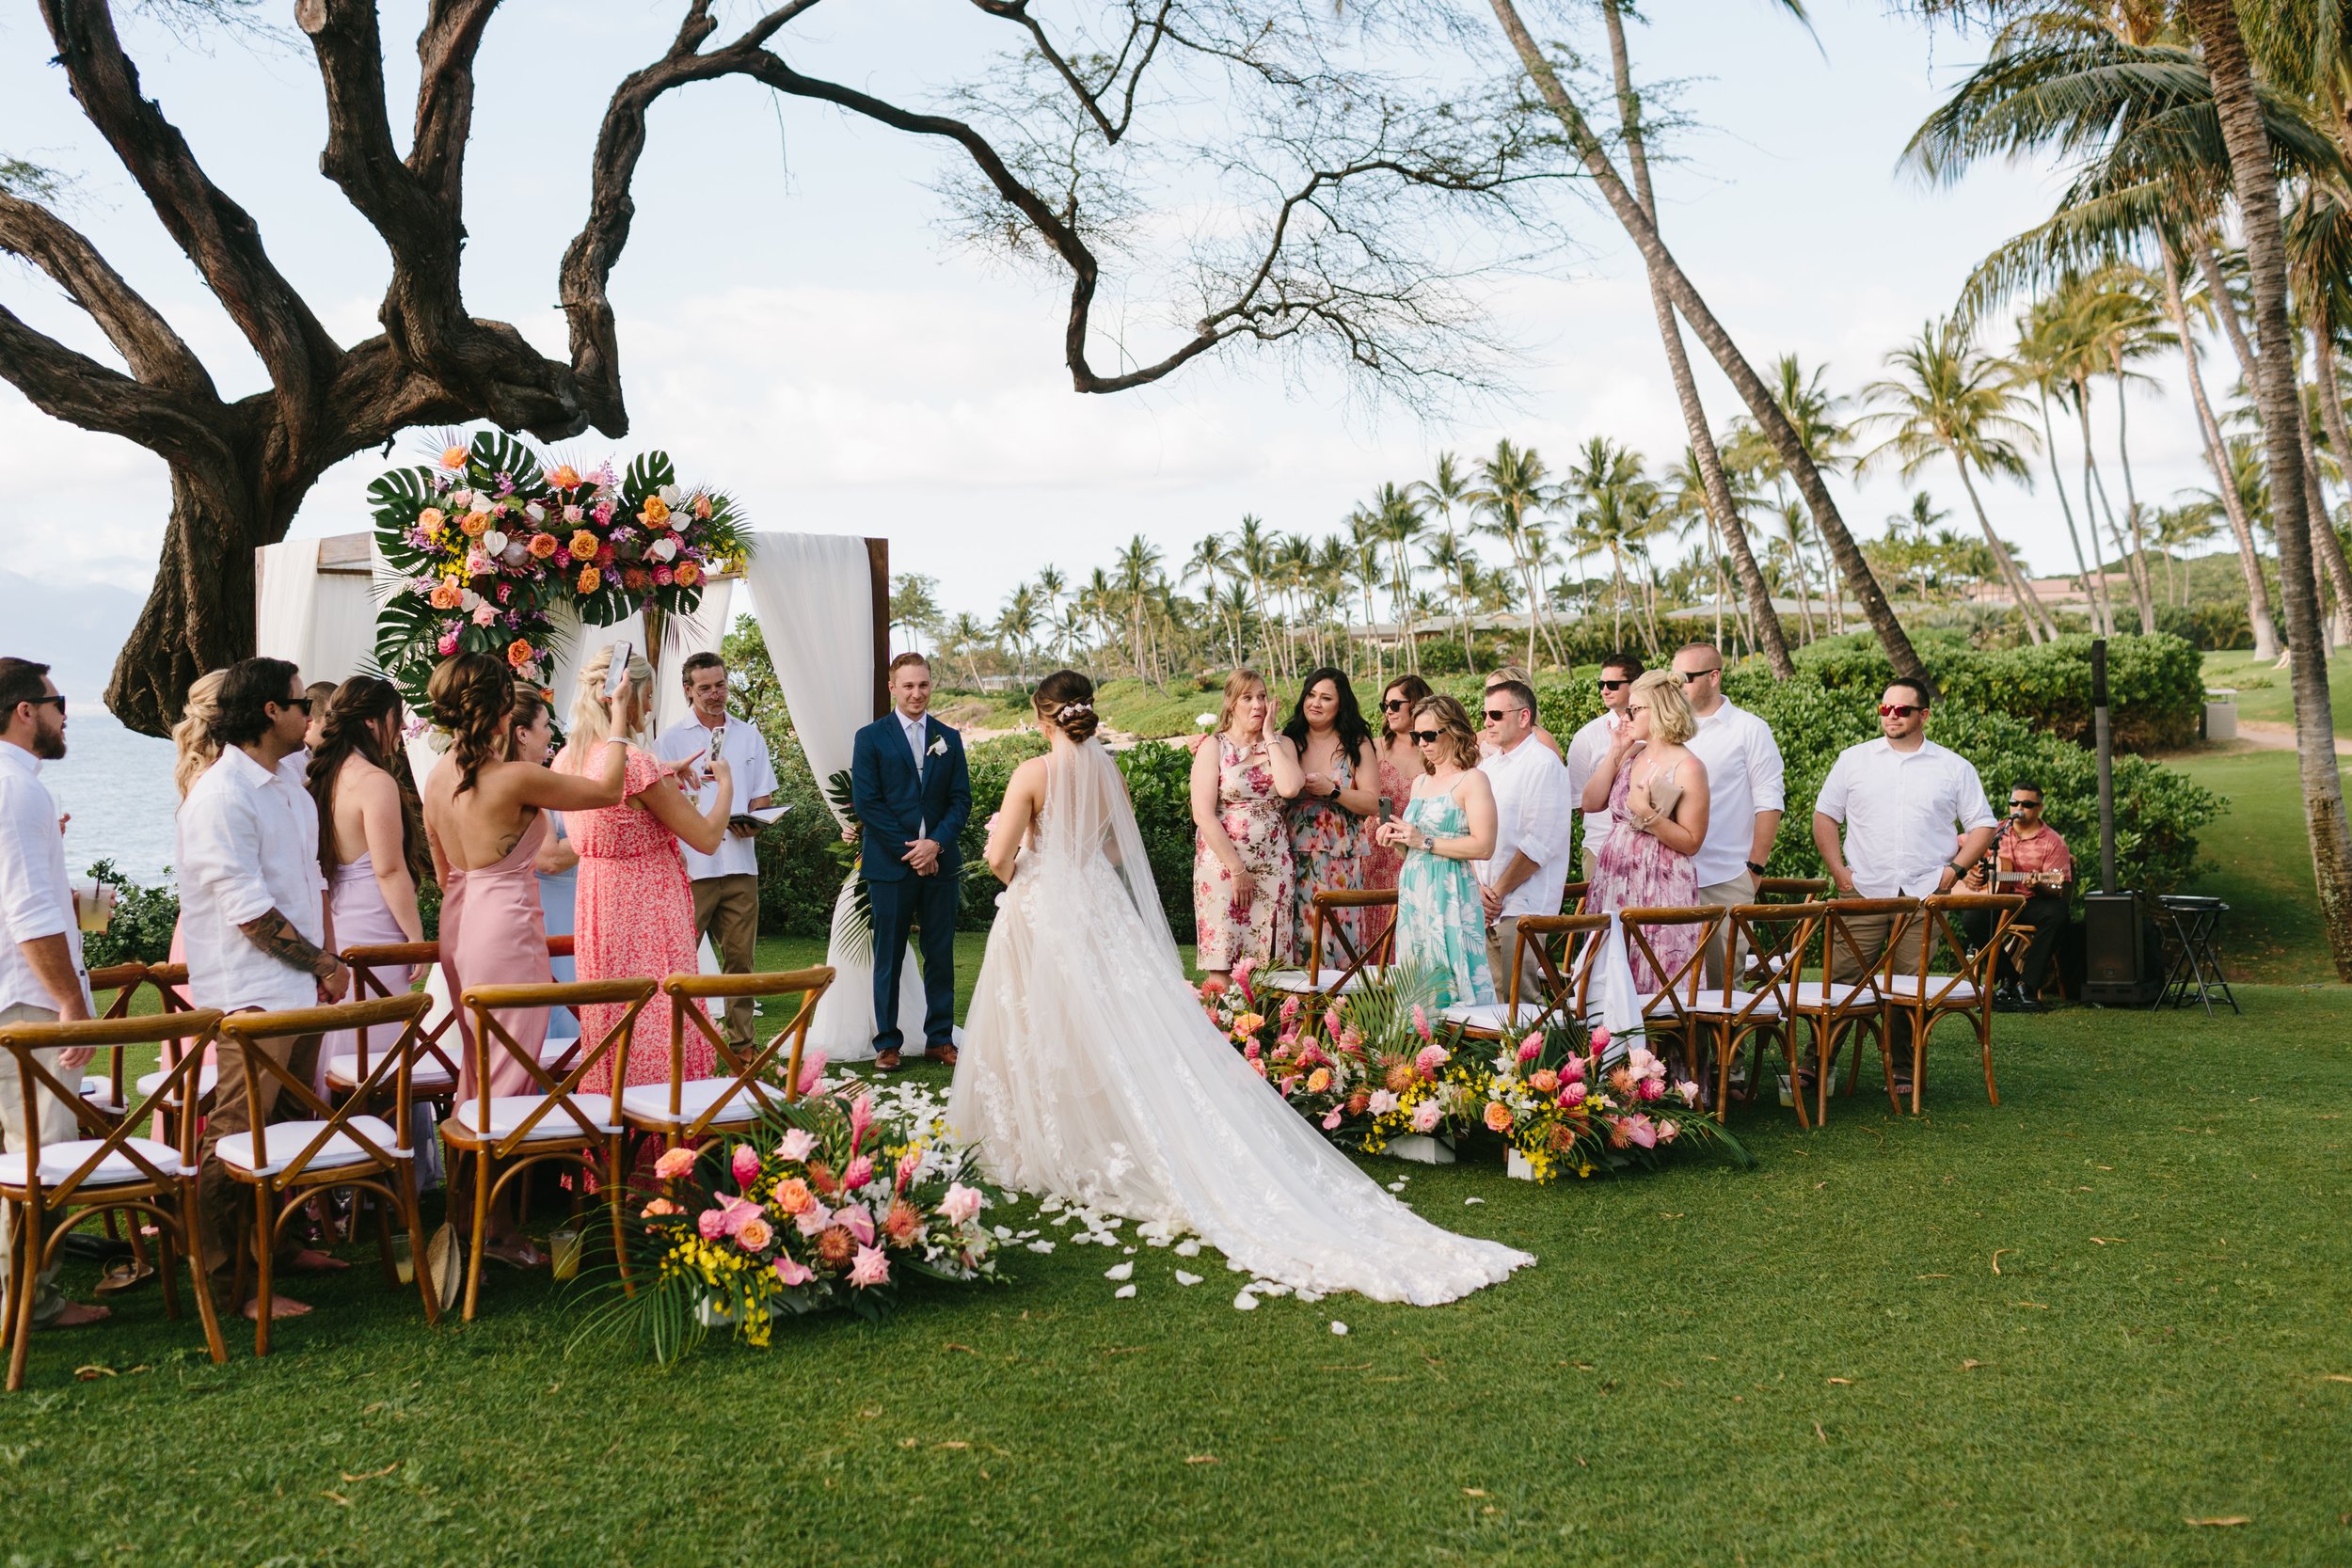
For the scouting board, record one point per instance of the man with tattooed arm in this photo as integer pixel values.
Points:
(253, 910)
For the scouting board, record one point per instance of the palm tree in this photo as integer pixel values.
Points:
(1615, 505)
(1397, 521)
(966, 635)
(1254, 548)
(1017, 623)
(2183, 528)
(1950, 400)
(1513, 487)
(1138, 563)
(1444, 490)
(2044, 358)
(1210, 560)
(2131, 327)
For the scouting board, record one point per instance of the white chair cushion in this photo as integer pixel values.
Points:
(1940, 988)
(1717, 1004)
(650, 1102)
(1281, 980)
(59, 1161)
(1490, 1017)
(290, 1138)
(100, 1092)
(426, 1072)
(206, 1078)
(508, 1110)
(1814, 993)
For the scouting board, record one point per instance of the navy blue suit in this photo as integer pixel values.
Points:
(898, 803)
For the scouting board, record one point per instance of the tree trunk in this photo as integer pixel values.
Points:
(2095, 503)
(2218, 458)
(2256, 180)
(1723, 516)
(2142, 590)
(1686, 297)
(2066, 508)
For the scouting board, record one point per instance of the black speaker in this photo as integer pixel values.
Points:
(2118, 969)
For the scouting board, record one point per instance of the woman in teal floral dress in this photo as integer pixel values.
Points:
(1331, 835)
(1448, 822)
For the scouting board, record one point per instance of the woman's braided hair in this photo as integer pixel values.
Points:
(471, 694)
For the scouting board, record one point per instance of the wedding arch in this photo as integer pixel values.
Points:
(823, 604)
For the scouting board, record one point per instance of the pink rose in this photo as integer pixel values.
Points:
(1666, 1130)
(871, 1268)
(857, 1222)
(1649, 1088)
(447, 643)
(1426, 1115)
(797, 1145)
(861, 1171)
(746, 1165)
(712, 1223)
(1688, 1091)
(789, 1274)
(1381, 1103)
(962, 1204)
(676, 1163)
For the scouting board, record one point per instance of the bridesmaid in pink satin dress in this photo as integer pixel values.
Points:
(485, 816)
(371, 844)
(1400, 765)
(634, 911)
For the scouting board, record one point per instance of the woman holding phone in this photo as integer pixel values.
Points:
(1243, 875)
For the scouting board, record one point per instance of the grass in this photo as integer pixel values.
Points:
(2263, 690)
(2051, 1333)
(1123, 703)
(2260, 862)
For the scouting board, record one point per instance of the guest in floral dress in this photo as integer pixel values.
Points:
(1242, 871)
(1400, 765)
(1332, 816)
(1448, 822)
(634, 915)
(1656, 789)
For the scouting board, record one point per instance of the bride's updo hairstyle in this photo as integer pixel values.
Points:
(471, 695)
(1065, 700)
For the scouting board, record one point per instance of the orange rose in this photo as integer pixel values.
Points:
(590, 579)
(544, 544)
(445, 594)
(585, 545)
(519, 653)
(431, 519)
(564, 478)
(792, 1196)
(685, 574)
(474, 524)
(656, 513)
(1498, 1116)
(452, 457)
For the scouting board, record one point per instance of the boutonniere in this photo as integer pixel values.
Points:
(938, 747)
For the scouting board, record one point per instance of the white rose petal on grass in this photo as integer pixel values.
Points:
(1127, 1249)
(1184, 1278)
(1119, 1270)
(1309, 1296)
(1245, 1303)
(1339, 1328)
(1123, 1292)
(1396, 1186)
(1468, 1201)
(1040, 1246)
(1188, 1249)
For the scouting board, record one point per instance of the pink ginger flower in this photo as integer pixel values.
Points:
(1420, 1021)
(1532, 1047)
(861, 1117)
(1331, 1026)
(1572, 1070)
(1290, 1009)
(676, 1163)
(1600, 1040)
(861, 1171)
(790, 1272)
(871, 1268)
(856, 1221)
(745, 1164)
(1250, 1050)
(812, 1071)
(907, 1166)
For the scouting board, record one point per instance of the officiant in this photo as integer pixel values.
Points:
(725, 883)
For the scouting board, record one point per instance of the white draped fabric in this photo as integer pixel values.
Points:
(814, 597)
(325, 622)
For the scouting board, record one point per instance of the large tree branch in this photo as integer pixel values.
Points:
(1090, 97)
(157, 354)
(445, 56)
(78, 389)
(217, 234)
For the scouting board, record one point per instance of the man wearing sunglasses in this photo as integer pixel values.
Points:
(1529, 868)
(1745, 781)
(2029, 857)
(1618, 672)
(1901, 799)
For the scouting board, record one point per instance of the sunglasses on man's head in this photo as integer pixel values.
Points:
(1898, 710)
(1610, 685)
(1427, 737)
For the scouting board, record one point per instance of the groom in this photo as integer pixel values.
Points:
(908, 782)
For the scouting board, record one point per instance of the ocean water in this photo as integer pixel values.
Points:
(116, 785)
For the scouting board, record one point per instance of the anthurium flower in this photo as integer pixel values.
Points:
(792, 1272)
(857, 1222)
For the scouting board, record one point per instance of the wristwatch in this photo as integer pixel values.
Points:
(1755, 870)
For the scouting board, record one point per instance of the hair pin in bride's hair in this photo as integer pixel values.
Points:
(1067, 709)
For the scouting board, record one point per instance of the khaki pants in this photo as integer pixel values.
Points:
(1869, 934)
(55, 1122)
(1724, 896)
(225, 1206)
(1503, 941)
(726, 910)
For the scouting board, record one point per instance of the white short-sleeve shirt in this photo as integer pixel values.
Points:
(1743, 777)
(1900, 810)
(249, 844)
(1533, 814)
(35, 900)
(1585, 753)
(746, 752)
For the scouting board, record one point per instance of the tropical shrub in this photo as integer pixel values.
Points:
(2155, 687)
(140, 931)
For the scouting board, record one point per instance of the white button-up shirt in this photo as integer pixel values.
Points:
(1585, 754)
(35, 900)
(1533, 814)
(1743, 777)
(1900, 810)
(249, 844)
(746, 754)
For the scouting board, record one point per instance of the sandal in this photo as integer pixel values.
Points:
(516, 1252)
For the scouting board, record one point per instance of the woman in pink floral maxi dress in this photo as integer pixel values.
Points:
(1243, 874)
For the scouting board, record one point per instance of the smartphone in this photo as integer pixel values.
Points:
(621, 655)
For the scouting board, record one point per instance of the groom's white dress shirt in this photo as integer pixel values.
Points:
(249, 844)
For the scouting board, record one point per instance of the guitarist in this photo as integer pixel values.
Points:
(2029, 857)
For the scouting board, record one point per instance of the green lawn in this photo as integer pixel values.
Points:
(2051, 1333)
(2260, 862)
(2263, 692)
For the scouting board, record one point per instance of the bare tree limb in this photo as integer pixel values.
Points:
(155, 353)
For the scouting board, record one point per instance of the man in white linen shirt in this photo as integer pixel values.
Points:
(41, 977)
(1744, 778)
(1618, 672)
(1530, 865)
(1901, 798)
(253, 912)
(725, 883)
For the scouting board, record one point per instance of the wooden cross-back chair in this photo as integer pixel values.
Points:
(1790, 890)
(1746, 1010)
(340, 1145)
(505, 1135)
(1559, 950)
(434, 1074)
(116, 1172)
(1335, 912)
(170, 983)
(684, 1110)
(1829, 1007)
(104, 1091)
(1668, 1013)
(1921, 998)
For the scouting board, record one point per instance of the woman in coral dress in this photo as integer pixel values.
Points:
(634, 914)
(1400, 765)
(1243, 875)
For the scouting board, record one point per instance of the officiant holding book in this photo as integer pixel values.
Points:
(912, 792)
(725, 882)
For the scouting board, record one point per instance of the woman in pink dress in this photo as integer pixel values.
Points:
(485, 816)
(1400, 765)
(372, 842)
(635, 910)
(1243, 873)
(1657, 788)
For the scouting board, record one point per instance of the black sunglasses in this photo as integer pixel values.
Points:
(1899, 710)
(1427, 737)
(1393, 703)
(42, 702)
(302, 702)
(1687, 676)
(1612, 686)
(1497, 715)
(2025, 805)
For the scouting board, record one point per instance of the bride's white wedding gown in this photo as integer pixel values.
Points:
(1088, 1071)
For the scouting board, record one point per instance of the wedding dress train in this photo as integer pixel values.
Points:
(1089, 1072)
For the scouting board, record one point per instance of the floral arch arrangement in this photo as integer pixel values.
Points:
(487, 542)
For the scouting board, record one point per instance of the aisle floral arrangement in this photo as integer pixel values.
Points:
(1373, 1067)
(833, 1203)
(488, 540)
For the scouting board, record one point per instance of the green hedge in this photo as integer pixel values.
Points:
(2156, 691)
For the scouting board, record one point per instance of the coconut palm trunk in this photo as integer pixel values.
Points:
(1693, 308)
(2216, 25)
(2218, 458)
(2136, 560)
(2330, 393)
(1723, 517)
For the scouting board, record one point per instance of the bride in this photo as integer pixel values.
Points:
(1089, 1069)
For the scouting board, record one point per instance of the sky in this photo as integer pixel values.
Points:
(797, 328)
